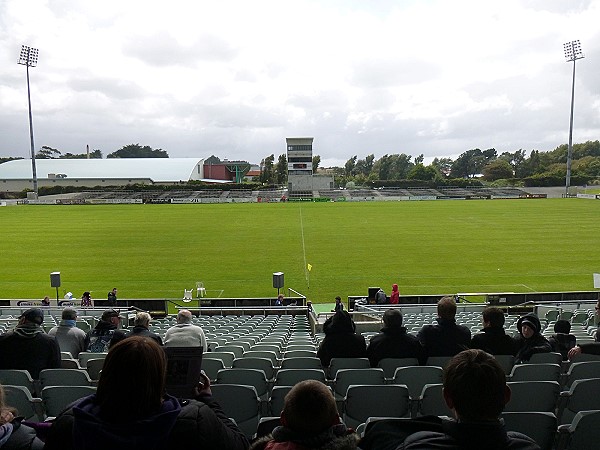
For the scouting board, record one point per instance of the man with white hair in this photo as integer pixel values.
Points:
(141, 324)
(185, 333)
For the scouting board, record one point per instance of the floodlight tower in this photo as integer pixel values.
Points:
(28, 58)
(572, 53)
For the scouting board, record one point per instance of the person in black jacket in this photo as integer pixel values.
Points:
(475, 390)
(131, 411)
(592, 348)
(531, 340)
(562, 340)
(28, 347)
(341, 339)
(446, 338)
(105, 334)
(140, 327)
(393, 341)
(492, 338)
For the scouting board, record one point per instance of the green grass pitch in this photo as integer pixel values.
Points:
(429, 247)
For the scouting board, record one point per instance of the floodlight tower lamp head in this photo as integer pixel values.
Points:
(573, 51)
(28, 56)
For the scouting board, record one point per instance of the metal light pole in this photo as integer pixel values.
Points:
(572, 53)
(28, 58)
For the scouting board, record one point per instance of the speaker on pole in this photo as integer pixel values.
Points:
(55, 282)
(277, 280)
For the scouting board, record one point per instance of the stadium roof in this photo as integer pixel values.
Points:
(156, 169)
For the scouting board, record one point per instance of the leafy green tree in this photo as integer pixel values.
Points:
(316, 160)
(496, 170)
(443, 165)
(471, 163)
(281, 170)
(9, 158)
(349, 166)
(137, 151)
(393, 167)
(95, 154)
(421, 172)
(267, 170)
(47, 153)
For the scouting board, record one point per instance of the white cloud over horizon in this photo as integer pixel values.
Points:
(235, 78)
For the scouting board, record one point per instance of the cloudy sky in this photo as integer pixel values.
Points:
(234, 78)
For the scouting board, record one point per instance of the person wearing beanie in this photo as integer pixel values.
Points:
(530, 340)
(341, 339)
(28, 347)
(70, 338)
(393, 341)
(562, 341)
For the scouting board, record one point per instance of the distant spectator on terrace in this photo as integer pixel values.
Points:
(279, 301)
(531, 340)
(492, 338)
(28, 347)
(86, 300)
(105, 334)
(185, 333)
(70, 338)
(562, 340)
(395, 295)
(339, 306)
(393, 341)
(141, 324)
(112, 297)
(592, 348)
(447, 338)
(46, 301)
(341, 339)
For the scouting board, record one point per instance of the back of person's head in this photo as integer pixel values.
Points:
(132, 382)
(446, 308)
(340, 322)
(184, 316)
(109, 314)
(309, 408)
(392, 318)
(69, 314)
(142, 319)
(494, 316)
(32, 316)
(475, 385)
(562, 326)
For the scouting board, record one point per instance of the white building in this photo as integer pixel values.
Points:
(17, 175)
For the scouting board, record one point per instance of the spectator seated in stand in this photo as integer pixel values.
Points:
(447, 338)
(309, 419)
(592, 348)
(130, 409)
(140, 327)
(475, 390)
(13, 434)
(492, 338)
(531, 340)
(562, 341)
(393, 341)
(70, 338)
(341, 339)
(28, 347)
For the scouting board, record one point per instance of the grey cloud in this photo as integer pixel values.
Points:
(162, 49)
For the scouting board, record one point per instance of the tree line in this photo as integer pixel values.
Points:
(506, 168)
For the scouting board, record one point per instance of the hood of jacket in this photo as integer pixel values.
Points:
(150, 433)
(532, 319)
(340, 322)
(29, 330)
(394, 288)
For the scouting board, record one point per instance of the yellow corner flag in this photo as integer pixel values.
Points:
(309, 267)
